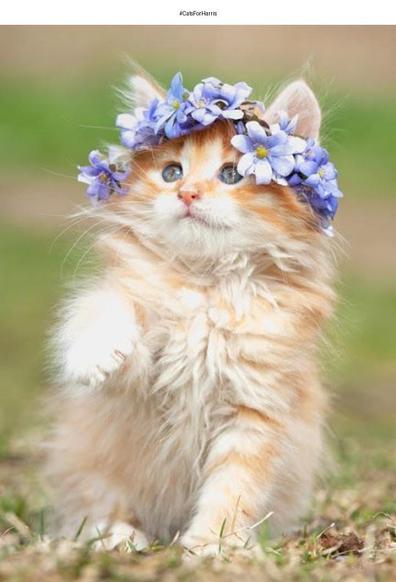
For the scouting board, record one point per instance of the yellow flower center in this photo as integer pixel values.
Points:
(175, 104)
(103, 177)
(261, 152)
(321, 172)
(201, 103)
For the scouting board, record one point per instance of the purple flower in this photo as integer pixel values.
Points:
(104, 176)
(269, 152)
(211, 100)
(268, 157)
(138, 130)
(286, 124)
(325, 207)
(316, 178)
(171, 118)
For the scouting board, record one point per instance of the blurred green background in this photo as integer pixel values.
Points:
(57, 102)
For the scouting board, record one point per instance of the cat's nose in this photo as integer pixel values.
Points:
(188, 196)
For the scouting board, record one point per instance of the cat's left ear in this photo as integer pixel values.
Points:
(297, 99)
(142, 89)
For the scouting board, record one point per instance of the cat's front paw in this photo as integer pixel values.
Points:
(118, 535)
(225, 548)
(92, 360)
(195, 548)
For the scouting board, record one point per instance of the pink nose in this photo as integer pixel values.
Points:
(188, 196)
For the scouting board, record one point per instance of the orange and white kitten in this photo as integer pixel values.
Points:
(193, 403)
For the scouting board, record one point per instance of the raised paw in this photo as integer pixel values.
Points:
(91, 360)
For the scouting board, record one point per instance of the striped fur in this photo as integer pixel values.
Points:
(191, 398)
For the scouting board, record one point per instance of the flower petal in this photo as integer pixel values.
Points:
(243, 91)
(245, 164)
(283, 165)
(84, 179)
(129, 138)
(308, 168)
(126, 121)
(294, 180)
(313, 180)
(278, 140)
(103, 191)
(212, 81)
(176, 90)
(242, 143)
(297, 144)
(263, 172)
(232, 114)
(171, 127)
(203, 116)
(90, 171)
(256, 132)
(330, 173)
(228, 92)
(95, 157)
(93, 189)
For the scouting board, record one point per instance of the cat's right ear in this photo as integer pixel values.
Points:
(297, 99)
(142, 89)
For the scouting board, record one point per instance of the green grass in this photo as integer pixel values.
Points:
(358, 132)
(32, 274)
(368, 309)
(51, 126)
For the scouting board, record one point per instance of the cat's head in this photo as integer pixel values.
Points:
(186, 196)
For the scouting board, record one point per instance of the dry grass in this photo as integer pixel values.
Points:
(350, 534)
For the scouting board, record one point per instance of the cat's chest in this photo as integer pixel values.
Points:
(206, 335)
(181, 338)
(199, 316)
(208, 354)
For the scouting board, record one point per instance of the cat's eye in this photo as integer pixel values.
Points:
(172, 172)
(229, 174)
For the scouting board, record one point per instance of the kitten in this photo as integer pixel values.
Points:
(193, 403)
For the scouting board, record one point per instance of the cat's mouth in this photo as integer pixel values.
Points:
(192, 216)
(196, 218)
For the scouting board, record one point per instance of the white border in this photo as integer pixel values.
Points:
(119, 12)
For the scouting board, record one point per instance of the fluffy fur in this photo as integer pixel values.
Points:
(191, 399)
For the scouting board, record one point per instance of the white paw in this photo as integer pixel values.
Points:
(119, 534)
(94, 357)
(195, 549)
(224, 548)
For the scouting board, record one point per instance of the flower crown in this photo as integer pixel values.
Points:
(269, 152)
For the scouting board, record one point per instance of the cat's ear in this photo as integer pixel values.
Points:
(142, 89)
(297, 99)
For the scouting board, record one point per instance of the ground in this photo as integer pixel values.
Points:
(350, 533)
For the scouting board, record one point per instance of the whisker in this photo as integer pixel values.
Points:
(83, 256)
(59, 174)
(76, 242)
(112, 128)
(72, 224)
